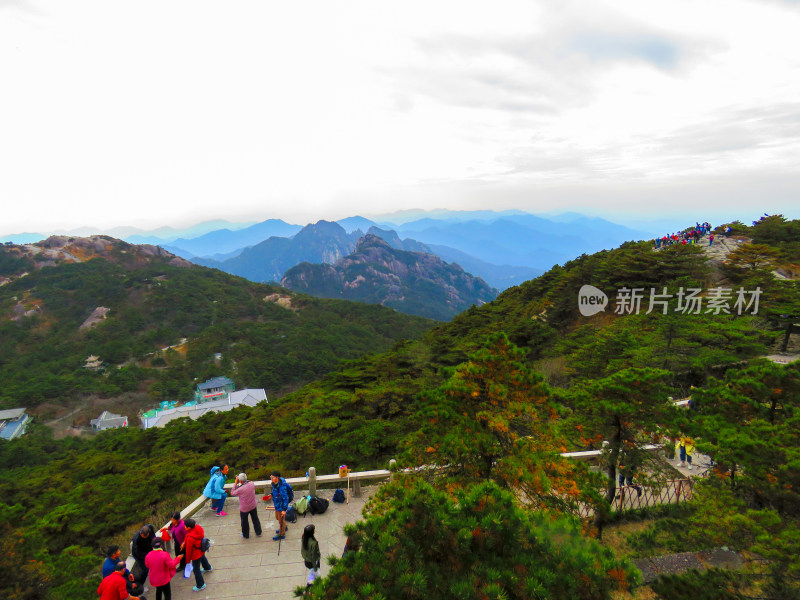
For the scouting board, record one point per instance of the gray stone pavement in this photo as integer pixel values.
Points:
(720, 558)
(701, 463)
(251, 568)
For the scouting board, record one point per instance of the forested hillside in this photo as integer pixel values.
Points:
(267, 337)
(493, 397)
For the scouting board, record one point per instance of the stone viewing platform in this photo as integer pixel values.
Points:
(251, 569)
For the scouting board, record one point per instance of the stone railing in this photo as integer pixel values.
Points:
(310, 482)
(590, 454)
(353, 479)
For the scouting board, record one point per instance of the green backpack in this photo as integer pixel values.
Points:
(301, 506)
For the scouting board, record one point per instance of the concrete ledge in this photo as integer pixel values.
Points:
(323, 479)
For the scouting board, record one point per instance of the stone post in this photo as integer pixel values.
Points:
(312, 481)
(392, 468)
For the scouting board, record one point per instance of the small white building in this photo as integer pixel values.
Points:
(249, 397)
(108, 420)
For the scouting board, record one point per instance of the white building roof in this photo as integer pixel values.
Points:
(11, 413)
(249, 397)
(107, 420)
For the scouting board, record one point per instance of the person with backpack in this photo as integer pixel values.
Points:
(282, 495)
(193, 546)
(215, 489)
(309, 550)
(248, 505)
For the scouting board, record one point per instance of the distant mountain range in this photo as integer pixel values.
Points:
(521, 240)
(132, 235)
(503, 248)
(227, 241)
(497, 276)
(324, 241)
(415, 283)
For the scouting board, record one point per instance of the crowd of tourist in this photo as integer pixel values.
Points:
(190, 545)
(688, 236)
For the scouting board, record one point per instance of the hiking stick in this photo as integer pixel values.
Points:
(272, 508)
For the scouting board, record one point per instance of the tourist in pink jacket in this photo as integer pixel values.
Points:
(162, 569)
(177, 531)
(248, 505)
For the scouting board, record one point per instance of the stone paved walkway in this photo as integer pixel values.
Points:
(700, 464)
(252, 569)
(720, 558)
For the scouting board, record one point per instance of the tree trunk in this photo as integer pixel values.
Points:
(488, 467)
(788, 333)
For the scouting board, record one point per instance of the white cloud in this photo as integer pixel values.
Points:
(173, 112)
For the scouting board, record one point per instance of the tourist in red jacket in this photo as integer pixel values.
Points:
(162, 570)
(191, 545)
(114, 586)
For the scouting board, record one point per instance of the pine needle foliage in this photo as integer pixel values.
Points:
(493, 418)
(419, 542)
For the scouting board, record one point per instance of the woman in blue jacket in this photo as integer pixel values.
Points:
(215, 489)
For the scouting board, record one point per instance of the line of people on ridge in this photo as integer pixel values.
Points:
(689, 236)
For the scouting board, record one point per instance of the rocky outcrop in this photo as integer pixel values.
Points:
(411, 282)
(98, 314)
(322, 242)
(283, 300)
(60, 249)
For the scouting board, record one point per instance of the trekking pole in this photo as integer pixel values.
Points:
(280, 539)
(279, 526)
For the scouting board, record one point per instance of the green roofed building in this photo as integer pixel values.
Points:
(214, 389)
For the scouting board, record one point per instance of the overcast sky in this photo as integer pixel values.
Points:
(154, 113)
